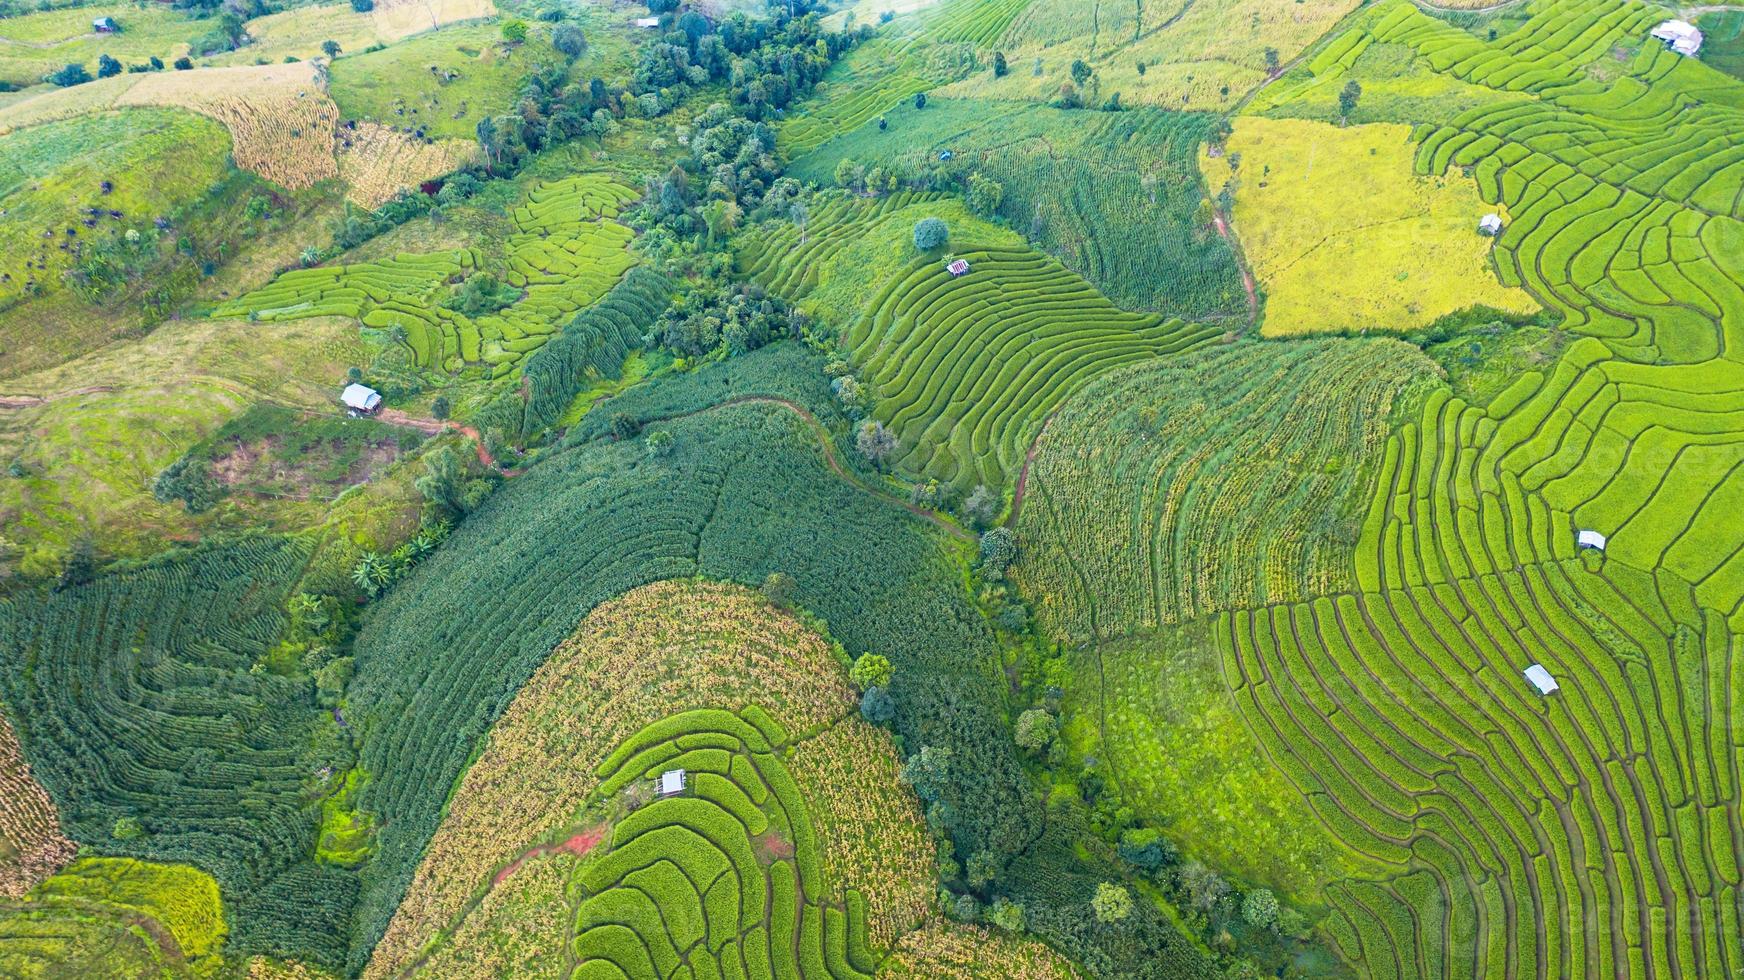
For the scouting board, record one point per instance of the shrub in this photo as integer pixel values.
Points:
(778, 588)
(930, 233)
(107, 66)
(998, 551)
(569, 39)
(515, 31)
(876, 706)
(184, 63)
(1260, 908)
(1006, 914)
(69, 75)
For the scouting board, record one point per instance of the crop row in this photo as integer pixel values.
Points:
(1224, 478)
(979, 22)
(565, 255)
(965, 369)
(135, 700)
(593, 521)
(1570, 835)
(30, 829)
(871, 80)
(784, 257)
(581, 717)
(727, 877)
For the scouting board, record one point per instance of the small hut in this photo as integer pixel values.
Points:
(671, 783)
(946, 156)
(360, 398)
(1541, 679)
(105, 25)
(1490, 224)
(1586, 538)
(647, 22)
(958, 267)
(1680, 36)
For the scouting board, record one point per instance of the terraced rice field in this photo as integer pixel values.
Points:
(1224, 478)
(869, 81)
(1483, 829)
(565, 254)
(966, 369)
(788, 259)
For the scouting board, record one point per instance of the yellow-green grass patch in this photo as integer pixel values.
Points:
(1343, 236)
(36, 44)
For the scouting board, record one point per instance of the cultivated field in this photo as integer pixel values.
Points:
(1400, 256)
(31, 845)
(564, 254)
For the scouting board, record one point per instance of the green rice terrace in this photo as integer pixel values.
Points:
(851, 489)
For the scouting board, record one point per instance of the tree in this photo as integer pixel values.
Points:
(1112, 903)
(441, 484)
(1006, 914)
(127, 828)
(848, 173)
(81, 564)
(440, 408)
(1204, 886)
(720, 217)
(998, 551)
(1260, 908)
(569, 39)
(779, 588)
(982, 505)
(999, 67)
(1272, 61)
(875, 442)
(930, 233)
(107, 66)
(871, 670)
(1347, 97)
(1081, 72)
(1146, 849)
(371, 573)
(514, 31)
(876, 706)
(184, 63)
(330, 48)
(624, 426)
(659, 444)
(155, 63)
(70, 75)
(1036, 728)
(985, 195)
(920, 100)
(927, 772)
(363, 6)
(981, 868)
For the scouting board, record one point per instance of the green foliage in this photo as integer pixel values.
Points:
(68, 75)
(136, 697)
(1113, 903)
(871, 670)
(930, 233)
(1113, 196)
(589, 522)
(1036, 729)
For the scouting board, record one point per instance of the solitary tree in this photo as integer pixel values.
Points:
(930, 233)
(569, 39)
(1036, 729)
(70, 75)
(330, 48)
(875, 442)
(107, 66)
(1260, 908)
(1081, 72)
(1347, 97)
(1272, 61)
(920, 100)
(999, 66)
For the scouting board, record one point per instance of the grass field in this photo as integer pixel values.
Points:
(1401, 256)
(34, 45)
(1723, 41)
(115, 917)
(396, 86)
(52, 177)
(1198, 55)
(110, 422)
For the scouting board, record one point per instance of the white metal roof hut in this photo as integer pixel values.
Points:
(1586, 538)
(647, 22)
(1490, 224)
(958, 267)
(360, 398)
(1680, 36)
(671, 782)
(1541, 679)
(105, 25)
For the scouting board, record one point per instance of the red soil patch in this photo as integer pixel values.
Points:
(773, 847)
(578, 845)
